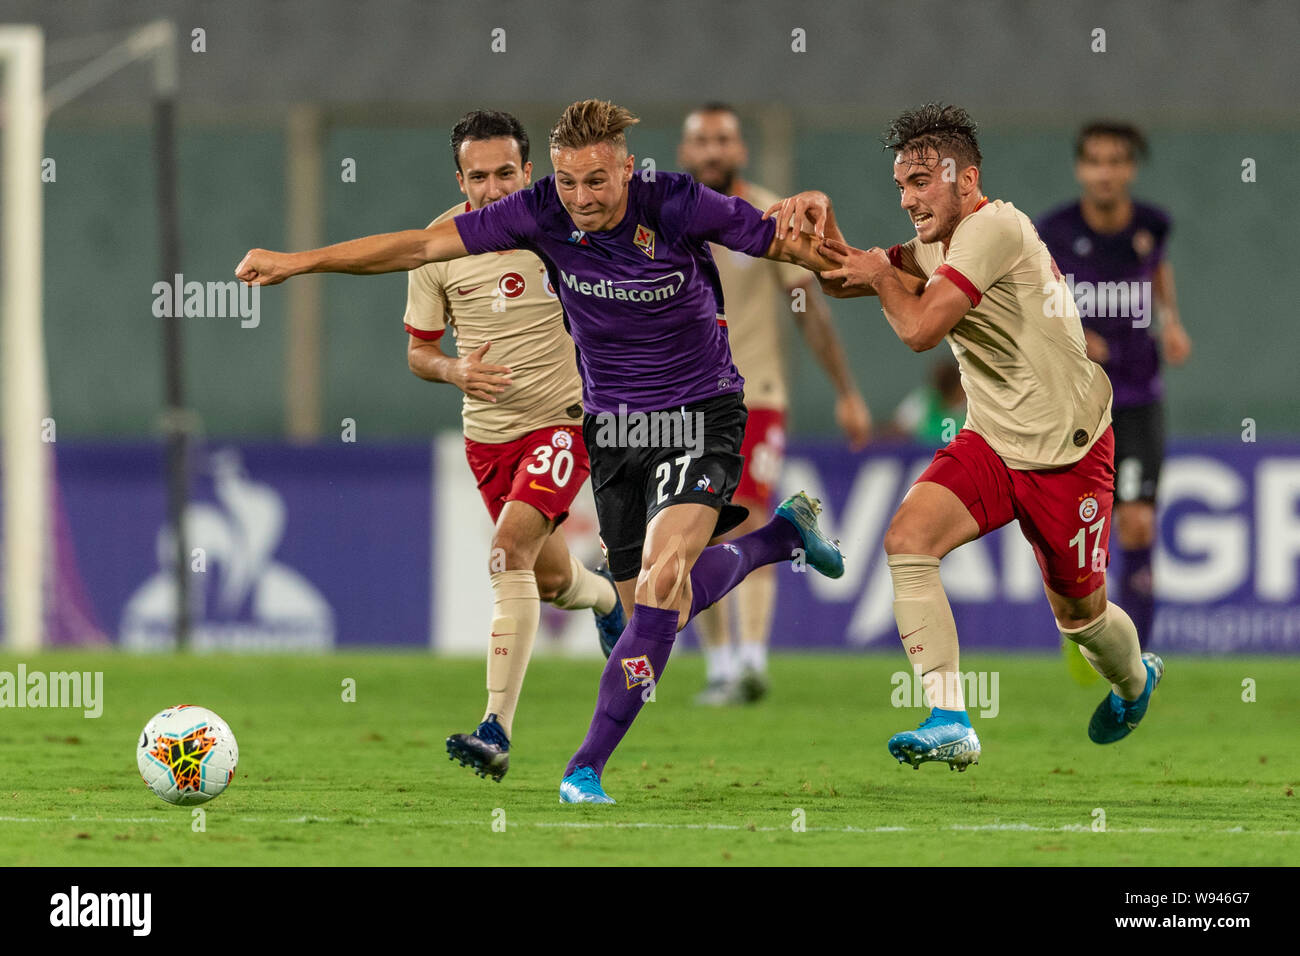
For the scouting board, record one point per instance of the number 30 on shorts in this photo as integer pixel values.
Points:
(1098, 555)
(560, 467)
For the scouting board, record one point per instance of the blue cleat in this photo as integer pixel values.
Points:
(1115, 718)
(486, 751)
(823, 554)
(938, 738)
(583, 786)
(609, 627)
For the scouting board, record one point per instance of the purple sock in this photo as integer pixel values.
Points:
(1135, 591)
(723, 566)
(638, 658)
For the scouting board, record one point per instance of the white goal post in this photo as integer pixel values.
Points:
(26, 459)
(24, 394)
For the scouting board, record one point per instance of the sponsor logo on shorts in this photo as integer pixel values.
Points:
(1088, 508)
(536, 487)
(637, 670)
(511, 285)
(704, 484)
(644, 240)
(561, 439)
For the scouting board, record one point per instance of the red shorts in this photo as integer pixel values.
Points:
(545, 468)
(1063, 512)
(764, 452)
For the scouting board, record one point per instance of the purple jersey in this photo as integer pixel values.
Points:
(642, 300)
(1112, 277)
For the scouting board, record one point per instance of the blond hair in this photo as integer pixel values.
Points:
(589, 122)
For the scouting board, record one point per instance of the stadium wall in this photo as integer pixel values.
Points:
(363, 544)
(105, 343)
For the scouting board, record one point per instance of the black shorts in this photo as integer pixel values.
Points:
(1139, 451)
(648, 461)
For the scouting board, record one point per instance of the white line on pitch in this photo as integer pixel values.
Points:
(635, 825)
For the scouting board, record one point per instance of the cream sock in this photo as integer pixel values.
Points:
(927, 628)
(586, 589)
(515, 612)
(1110, 644)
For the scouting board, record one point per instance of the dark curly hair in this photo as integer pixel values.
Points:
(948, 130)
(488, 124)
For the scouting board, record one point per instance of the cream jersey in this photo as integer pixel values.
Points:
(1032, 392)
(503, 298)
(756, 293)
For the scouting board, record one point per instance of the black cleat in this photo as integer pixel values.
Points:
(486, 751)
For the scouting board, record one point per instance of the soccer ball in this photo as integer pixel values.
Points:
(187, 755)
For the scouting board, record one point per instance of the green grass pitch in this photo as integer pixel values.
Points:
(1208, 779)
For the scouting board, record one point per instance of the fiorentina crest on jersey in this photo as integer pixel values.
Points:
(637, 670)
(645, 240)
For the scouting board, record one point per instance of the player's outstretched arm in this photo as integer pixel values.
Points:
(920, 314)
(802, 222)
(854, 268)
(809, 211)
(371, 255)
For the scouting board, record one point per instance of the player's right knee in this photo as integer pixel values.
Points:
(509, 553)
(904, 537)
(662, 575)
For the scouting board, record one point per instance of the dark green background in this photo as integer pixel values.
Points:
(101, 262)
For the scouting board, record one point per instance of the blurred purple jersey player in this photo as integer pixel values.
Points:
(1113, 248)
(664, 422)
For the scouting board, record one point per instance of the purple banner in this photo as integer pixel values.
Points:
(295, 549)
(311, 548)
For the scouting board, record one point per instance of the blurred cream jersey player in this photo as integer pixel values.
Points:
(1037, 446)
(759, 303)
(522, 413)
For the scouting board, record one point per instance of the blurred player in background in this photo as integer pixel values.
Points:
(522, 414)
(1037, 446)
(759, 294)
(1107, 237)
(930, 412)
(641, 296)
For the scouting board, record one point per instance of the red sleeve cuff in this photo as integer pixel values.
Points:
(895, 254)
(425, 334)
(961, 282)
